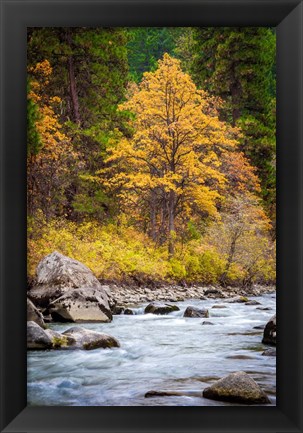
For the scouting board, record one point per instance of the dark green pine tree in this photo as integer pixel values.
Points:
(147, 45)
(34, 143)
(238, 64)
(90, 73)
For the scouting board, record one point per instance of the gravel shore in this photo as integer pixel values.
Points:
(136, 295)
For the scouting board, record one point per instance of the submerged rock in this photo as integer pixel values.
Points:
(270, 332)
(118, 310)
(239, 357)
(206, 322)
(160, 308)
(128, 312)
(196, 312)
(259, 327)
(37, 338)
(88, 340)
(269, 352)
(153, 393)
(34, 315)
(237, 387)
(252, 302)
(81, 305)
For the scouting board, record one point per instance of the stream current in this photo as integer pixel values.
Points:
(163, 353)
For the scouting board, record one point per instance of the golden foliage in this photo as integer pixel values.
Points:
(48, 168)
(117, 252)
(176, 142)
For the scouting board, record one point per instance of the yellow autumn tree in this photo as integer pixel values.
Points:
(49, 164)
(171, 165)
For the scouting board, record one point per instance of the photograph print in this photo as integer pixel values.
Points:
(151, 230)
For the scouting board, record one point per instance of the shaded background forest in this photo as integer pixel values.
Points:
(98, 189)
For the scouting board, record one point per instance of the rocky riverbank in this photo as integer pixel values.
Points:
(67, 292)
(128, 295)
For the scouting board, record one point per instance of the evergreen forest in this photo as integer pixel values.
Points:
(151, 152)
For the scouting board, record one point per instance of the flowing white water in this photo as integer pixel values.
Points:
(167, 353)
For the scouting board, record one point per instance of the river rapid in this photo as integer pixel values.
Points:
(163, 353)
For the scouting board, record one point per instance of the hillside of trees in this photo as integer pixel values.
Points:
(151, 152)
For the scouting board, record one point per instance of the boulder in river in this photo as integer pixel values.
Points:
(71, 288)
(57, 274)
(261, 327)
(81, 305)
(219, 306)
(153, 393)
(60, 341)
(88, 340)
(129, 312)
(252, 302)
(118, 310)
(270, 332)
(269, 352)
(206, 322)
(239, 300)
(34, 315)
(196, 312)
(237, 387)
(160, 308)
(37, 338)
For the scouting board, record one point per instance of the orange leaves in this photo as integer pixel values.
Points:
(41, 69)
(54, 141)
(50, 166)
(178, 137)
(240, 174)
(181, 160)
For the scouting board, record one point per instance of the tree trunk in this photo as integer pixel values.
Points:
(171, 222)
(235, 91)
(30, 186)
(229, 261)
(72, 83)
(153, 216)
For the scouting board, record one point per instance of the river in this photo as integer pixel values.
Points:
(167, 353)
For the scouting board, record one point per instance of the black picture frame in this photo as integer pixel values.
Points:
(16, 16)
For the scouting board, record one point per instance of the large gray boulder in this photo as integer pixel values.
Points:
(58, 277)
(34, 315)
(196, 312)
(88, 340)
(81, 305)
(270, 332)
(73, 338)
(37, 338)
(237, 387)
(160, 308)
